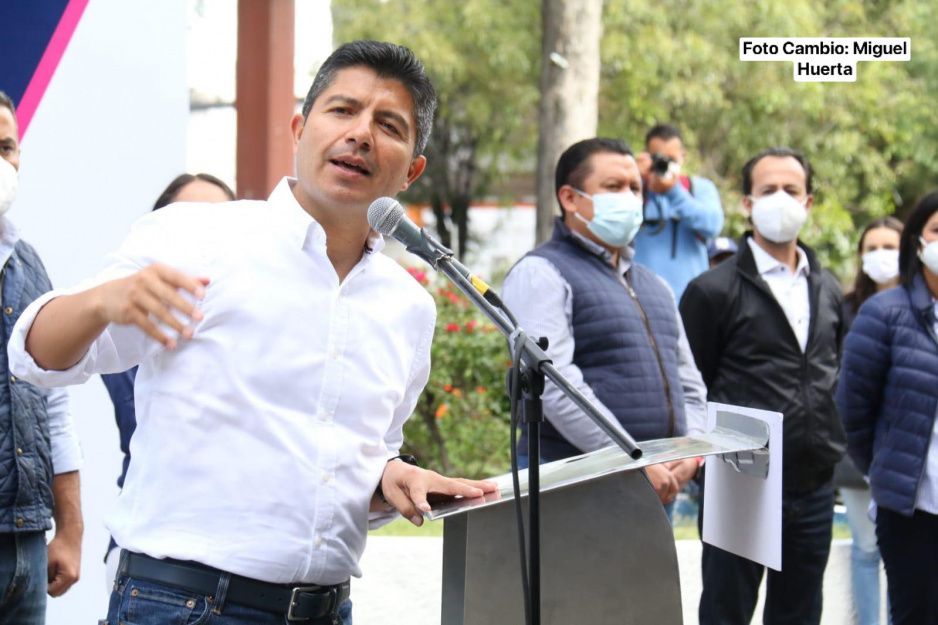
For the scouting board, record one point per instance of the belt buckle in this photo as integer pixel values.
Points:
(333, 593)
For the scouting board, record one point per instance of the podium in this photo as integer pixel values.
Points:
(607, 548)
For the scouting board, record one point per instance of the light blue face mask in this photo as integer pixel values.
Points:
(616, 217)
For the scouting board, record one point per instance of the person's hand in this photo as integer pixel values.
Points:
(643, 160)
(406, 487)
(64, 561)
(662, 184)
(683, 470)
(149, 296)
(663, 481)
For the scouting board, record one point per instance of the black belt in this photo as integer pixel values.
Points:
(298, 603)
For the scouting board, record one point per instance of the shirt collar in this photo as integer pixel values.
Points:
(625, 254)
(302, 227)
(9, 236)
(765, 263)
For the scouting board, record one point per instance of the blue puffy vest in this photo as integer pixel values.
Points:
(25, 449)
(625, 345)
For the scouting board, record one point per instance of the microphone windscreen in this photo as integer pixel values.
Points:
(384, 215)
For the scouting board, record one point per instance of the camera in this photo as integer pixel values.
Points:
(660, 164)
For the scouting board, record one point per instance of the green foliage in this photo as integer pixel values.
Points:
(461, 423)
(871, 142)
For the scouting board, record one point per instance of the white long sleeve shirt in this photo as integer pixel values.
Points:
(542, 300)
(260, 441)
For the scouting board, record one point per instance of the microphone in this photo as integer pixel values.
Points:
(387, 217)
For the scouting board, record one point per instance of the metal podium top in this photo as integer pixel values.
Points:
(733, 434)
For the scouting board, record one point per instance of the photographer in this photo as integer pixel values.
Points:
(681, 213)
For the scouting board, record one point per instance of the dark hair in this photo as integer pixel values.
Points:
(909, 263)
(5, 101)
(863, 285)
(573, 165)
(781, 152)
(168, 196)
(388, 60)
(665, 132)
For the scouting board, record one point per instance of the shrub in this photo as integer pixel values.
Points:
(461, 423)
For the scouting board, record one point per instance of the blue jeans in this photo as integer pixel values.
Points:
(142, 602)
(793, 596)
(864, 556)
(24, 578)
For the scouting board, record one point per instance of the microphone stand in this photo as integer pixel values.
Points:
(535, 367)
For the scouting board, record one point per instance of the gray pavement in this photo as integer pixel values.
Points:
(401, 582)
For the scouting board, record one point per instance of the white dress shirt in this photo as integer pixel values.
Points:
(542, 300)
(790, 289)
(260, 442)
(63, 440)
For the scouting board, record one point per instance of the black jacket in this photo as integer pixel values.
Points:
(749, 356)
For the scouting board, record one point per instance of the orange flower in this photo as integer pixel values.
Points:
(457, 392)
(441, 410)
(447, 387)
(481, 389)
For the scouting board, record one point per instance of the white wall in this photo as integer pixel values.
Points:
(108, 136)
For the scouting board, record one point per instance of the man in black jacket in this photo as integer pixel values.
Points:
(765, 328)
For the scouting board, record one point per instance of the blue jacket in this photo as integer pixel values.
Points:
(120, 386)
(888, 391)
(673, 240)
(625, 344)
(25, 446)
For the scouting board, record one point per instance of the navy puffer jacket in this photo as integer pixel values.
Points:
(888, 391)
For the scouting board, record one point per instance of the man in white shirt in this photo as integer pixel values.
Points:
(765, 327)
(39, 453)
(279, 357)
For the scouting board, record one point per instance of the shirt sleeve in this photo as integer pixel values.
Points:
(543, 303)
(66, 452)
(119, 347)
(394, 438)
(702, 211)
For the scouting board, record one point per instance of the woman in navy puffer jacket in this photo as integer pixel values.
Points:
(888, 397)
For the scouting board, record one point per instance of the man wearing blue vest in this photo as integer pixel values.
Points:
(612, 324)
(39, 454)
(681, 213)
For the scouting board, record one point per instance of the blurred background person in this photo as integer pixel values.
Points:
(720, 249)
(120, 386)
(887, 396)
(878, 252)
(681, 213)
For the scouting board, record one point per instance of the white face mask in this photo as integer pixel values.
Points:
(929, 255)
(9, 181)
(616, 216)
(778, 217)
(882, 265)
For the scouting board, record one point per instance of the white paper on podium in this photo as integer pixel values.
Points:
(743, 513)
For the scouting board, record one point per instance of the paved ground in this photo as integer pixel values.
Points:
(401, 582)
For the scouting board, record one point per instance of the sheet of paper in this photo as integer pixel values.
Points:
(743, 513)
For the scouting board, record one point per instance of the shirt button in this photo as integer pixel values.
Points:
(20, 522)
(8, 310)
(319, 541)
(326, 478)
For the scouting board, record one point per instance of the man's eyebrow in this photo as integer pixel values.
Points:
(342, 99)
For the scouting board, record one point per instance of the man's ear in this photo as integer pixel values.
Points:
(809, 202)
(297, 123)
(747, 204)
(417, 167)
(567, 195)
